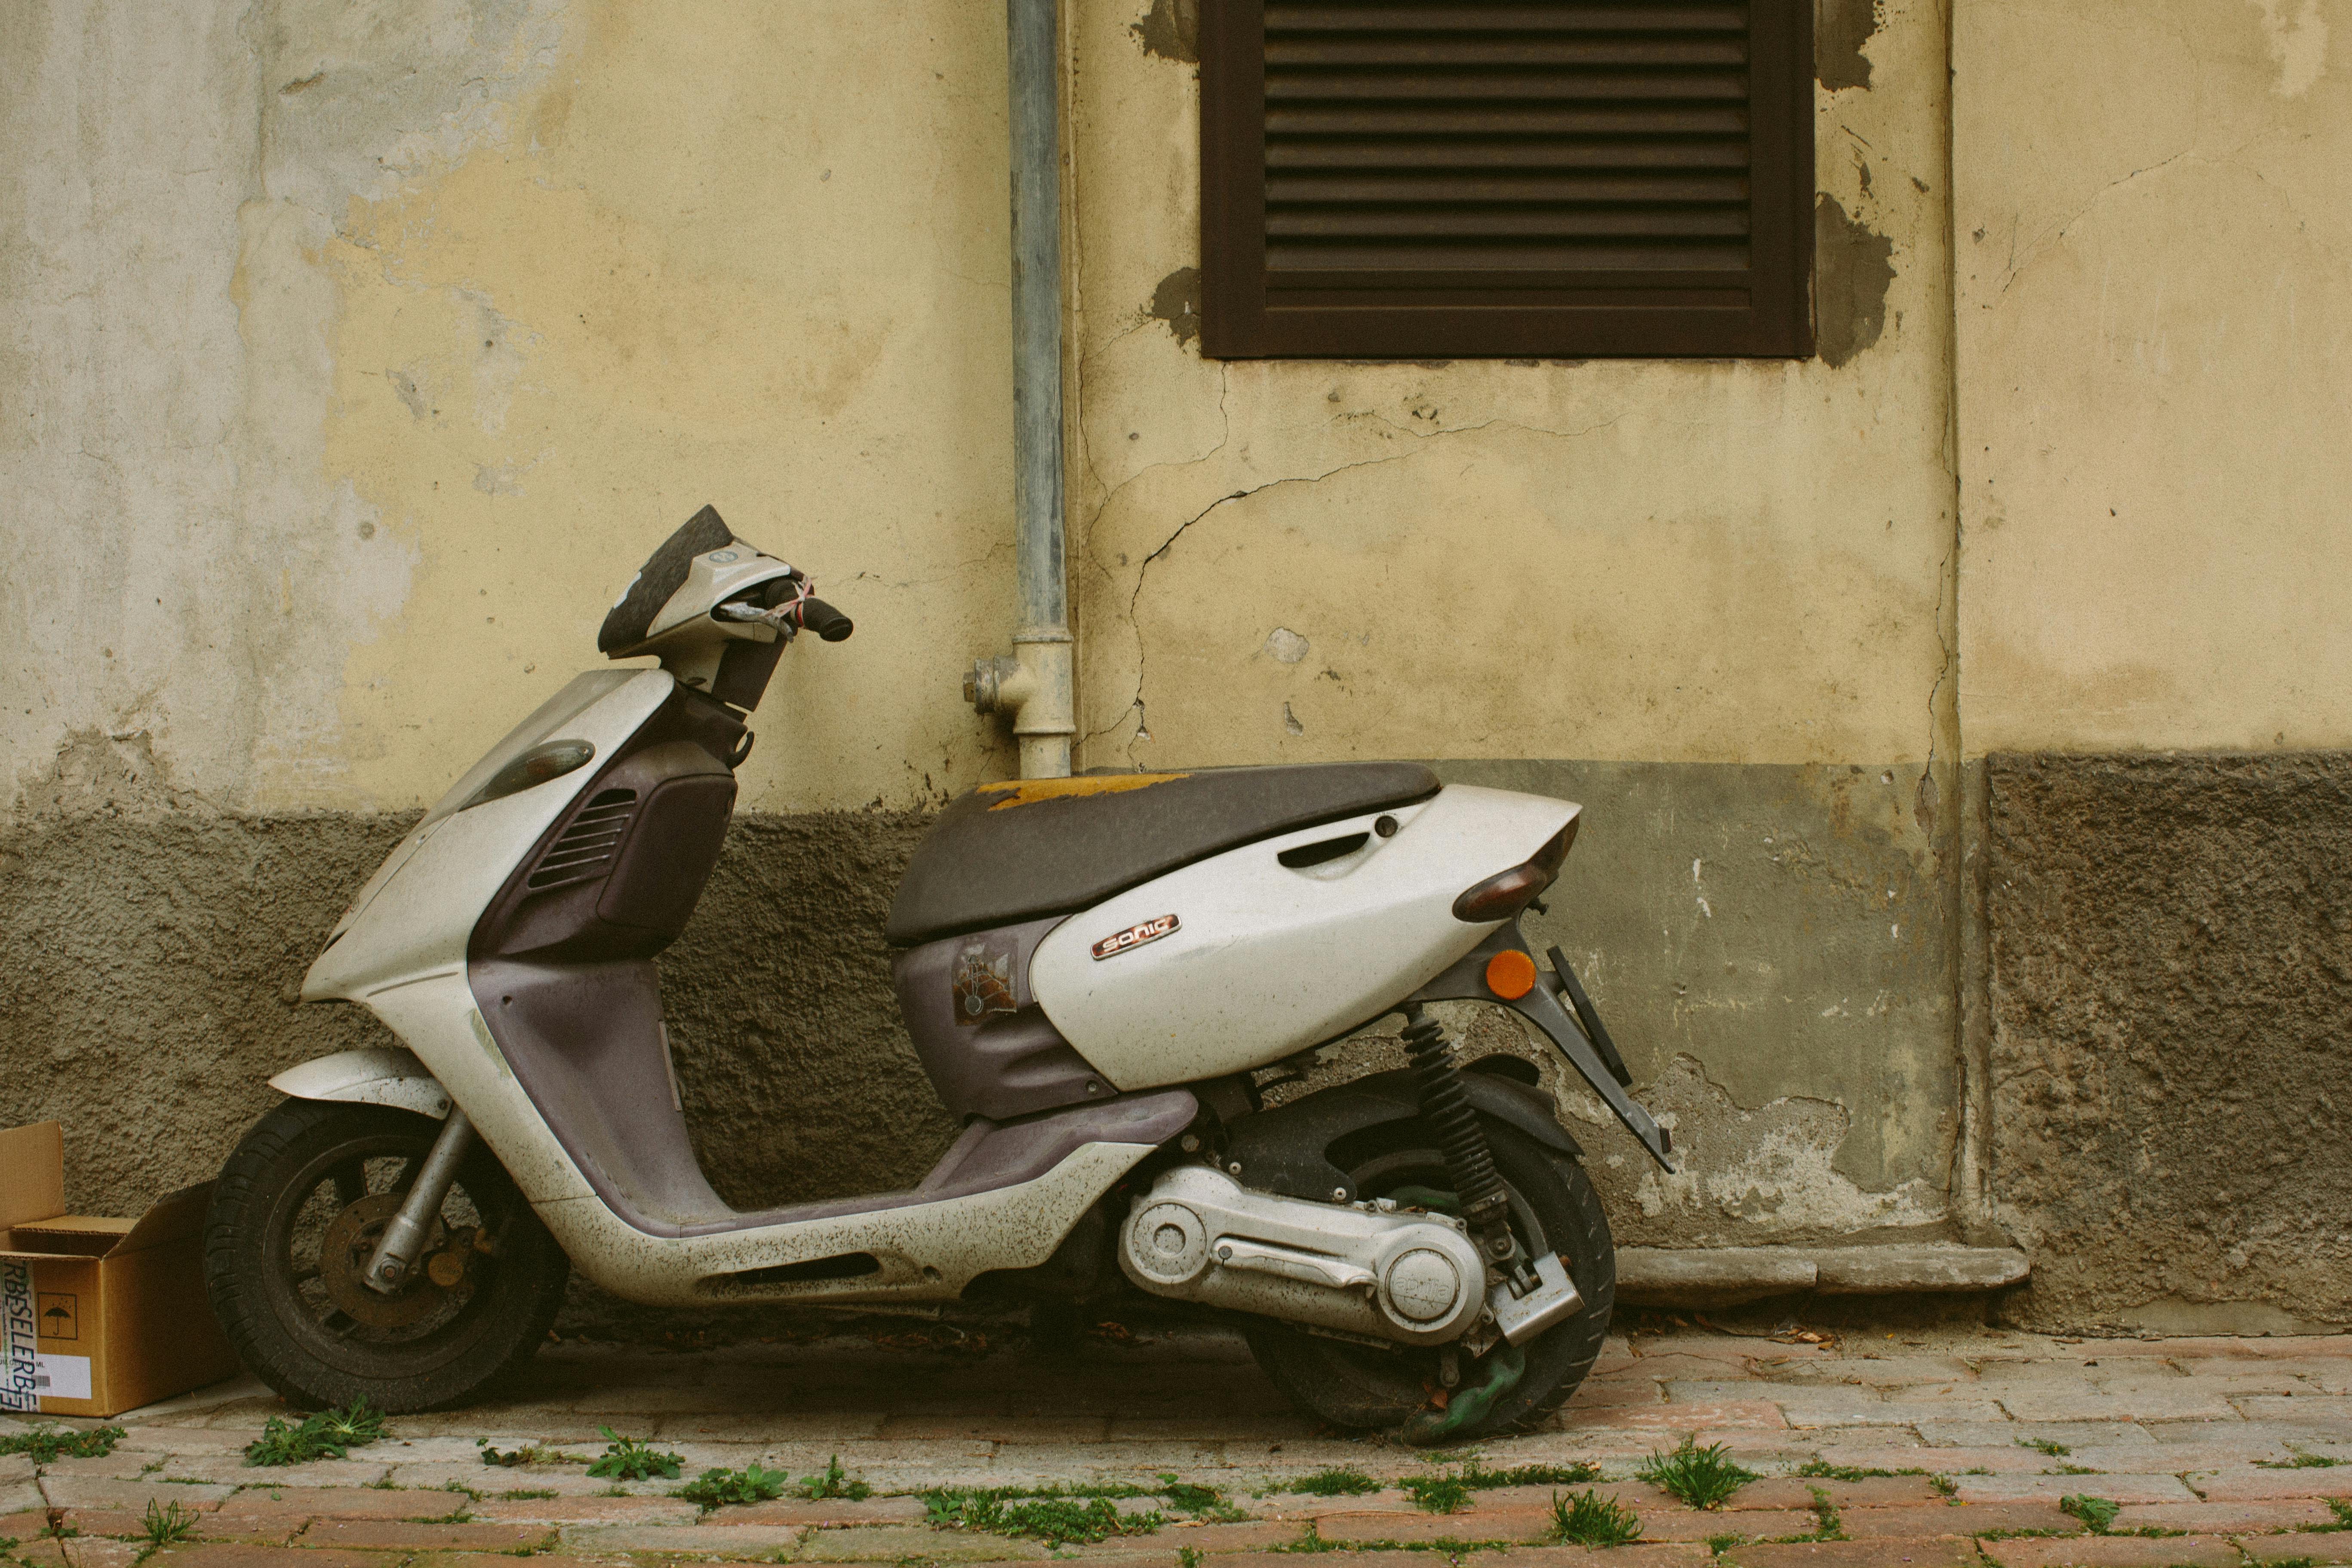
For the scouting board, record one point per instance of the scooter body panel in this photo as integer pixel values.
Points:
(1243, 960)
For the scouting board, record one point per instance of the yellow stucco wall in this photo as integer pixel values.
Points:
(1723, 562)
(2154, 313)
(483, 300)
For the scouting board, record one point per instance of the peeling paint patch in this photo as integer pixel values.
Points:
(499, 479)
(1177, 301)
(411, 396)
(1290, 721)
(2298, 43)
(1853, 269)
(1773, 1166)
(1286, 646)
(1840, 28)
(1170, 29)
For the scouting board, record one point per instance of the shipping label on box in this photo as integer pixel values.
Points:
(20, 1358)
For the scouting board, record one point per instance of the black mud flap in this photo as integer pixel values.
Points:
(1580, 1037)
(1287, 1149)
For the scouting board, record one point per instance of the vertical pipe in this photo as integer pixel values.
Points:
(1042, 641)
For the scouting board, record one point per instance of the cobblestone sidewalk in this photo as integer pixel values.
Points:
(1939, 1449)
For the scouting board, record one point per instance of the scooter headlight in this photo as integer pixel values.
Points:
(1505, 893)
(548, 760)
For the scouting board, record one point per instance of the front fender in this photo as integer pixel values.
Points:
(385, 1077)
(1287, 1149)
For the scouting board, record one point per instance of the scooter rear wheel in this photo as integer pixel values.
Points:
(295, 1216)
(1553, 1209)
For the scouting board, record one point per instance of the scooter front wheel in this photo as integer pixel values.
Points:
(1553, 1209)
(295, 1216)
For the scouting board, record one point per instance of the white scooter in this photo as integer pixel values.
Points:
(1099, 974)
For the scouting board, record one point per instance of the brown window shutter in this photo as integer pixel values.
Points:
(1386, 179)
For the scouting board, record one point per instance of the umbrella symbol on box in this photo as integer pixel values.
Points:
(58, 1318)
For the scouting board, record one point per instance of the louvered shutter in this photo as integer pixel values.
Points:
(1403, 179)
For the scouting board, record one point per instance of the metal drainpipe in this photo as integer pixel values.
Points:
(1035, 685)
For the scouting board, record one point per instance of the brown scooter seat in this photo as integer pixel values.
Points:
(1011, 852)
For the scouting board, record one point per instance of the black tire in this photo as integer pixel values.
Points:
(265, 1265)
(1553, 1208)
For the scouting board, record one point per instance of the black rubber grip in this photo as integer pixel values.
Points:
(826, 622)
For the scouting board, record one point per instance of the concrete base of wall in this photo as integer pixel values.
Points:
(1726, 1276)
(2171, 944)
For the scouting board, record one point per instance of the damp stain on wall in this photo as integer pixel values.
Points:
(1172, 30)
(1177, 301)
(1840, 28)
(1853, 267)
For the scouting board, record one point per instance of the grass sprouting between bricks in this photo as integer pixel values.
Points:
(1450, 1493)
(718, 1488)
(832, 1481)
(47, 1445)
(629, 1459)
(1701, 1477)
(1056, 1518)
(1588, 1519)
(168, 1522)
(1335, 1481)
(2096, 1512)
(321, 1434)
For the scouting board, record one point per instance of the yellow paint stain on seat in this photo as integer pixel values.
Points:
(1029, 792)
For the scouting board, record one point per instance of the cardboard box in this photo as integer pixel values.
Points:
(98, 1316)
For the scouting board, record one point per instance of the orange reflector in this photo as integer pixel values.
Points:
(1510, 975)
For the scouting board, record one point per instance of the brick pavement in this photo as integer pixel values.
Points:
(1926, 1448)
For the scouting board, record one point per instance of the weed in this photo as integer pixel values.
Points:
(321, 1434)
(1717, 1545)
(2289, 1562)
(627, 1459)
(2300, 1462)
(1479, 1478)
(716, 1488)
(1703, 1478)
(384, 1483)
(2342, 1511)
(832, 1481)
(2096, 1512)
(2044, 1446)
(1831, 1527)
(1437, 1494)
(526, 1494)
(1949, 1487)
(2072, 1470)
(1588, 1519)
(1056, 1519)
(47, 1445)
(1336, 1481)
(617, 1490)
(1308, 1539)
(1188, 1557)
(168, 1522)
(1202, 1502)
(1823, 1470)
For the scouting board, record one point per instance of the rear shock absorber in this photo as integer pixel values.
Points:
(1447, 1108)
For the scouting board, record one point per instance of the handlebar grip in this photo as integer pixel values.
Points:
(826, 622)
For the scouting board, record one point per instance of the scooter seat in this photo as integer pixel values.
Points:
(1011, 852)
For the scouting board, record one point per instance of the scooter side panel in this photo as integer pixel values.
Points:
(927, 1252)
(419, 910)
(1264, 958)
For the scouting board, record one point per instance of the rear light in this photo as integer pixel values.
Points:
(1510, 974)
(1505, 894)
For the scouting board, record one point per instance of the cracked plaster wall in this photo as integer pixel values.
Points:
(1710, 600)
(2154, 316)
(355, 353)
